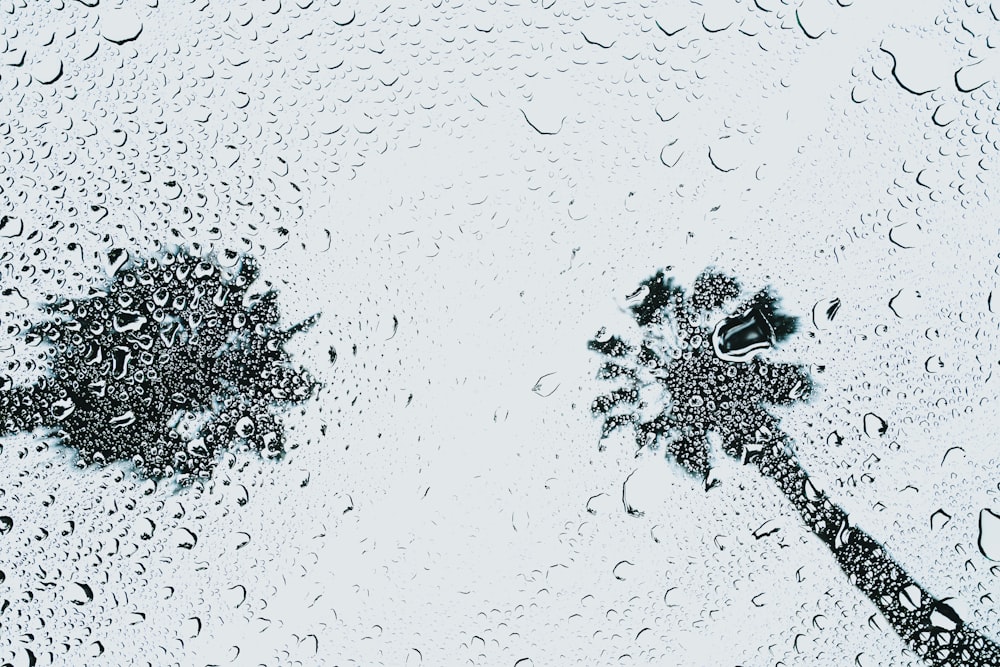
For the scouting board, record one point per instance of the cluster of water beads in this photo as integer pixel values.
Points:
(172, 362)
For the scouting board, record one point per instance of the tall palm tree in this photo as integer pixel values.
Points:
(717, 381)
(167, 364)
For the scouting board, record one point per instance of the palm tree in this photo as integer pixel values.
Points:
(170, 362)
(717, 382)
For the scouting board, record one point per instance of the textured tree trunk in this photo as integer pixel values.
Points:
(929, 626)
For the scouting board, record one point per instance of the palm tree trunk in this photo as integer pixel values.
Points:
(929, 626)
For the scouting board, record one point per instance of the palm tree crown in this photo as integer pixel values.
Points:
(171, 362)
(708, 374)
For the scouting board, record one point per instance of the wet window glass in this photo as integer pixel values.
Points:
(522, 333)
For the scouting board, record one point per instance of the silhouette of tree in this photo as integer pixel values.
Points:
(170, 363)
(713, 378)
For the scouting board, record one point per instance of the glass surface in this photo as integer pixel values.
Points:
(524, 332)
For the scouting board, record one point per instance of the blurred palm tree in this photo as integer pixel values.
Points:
(706, 375)
(168, 364)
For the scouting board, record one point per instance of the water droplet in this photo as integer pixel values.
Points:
(740, 337)
(120, 26)
(989, 534)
